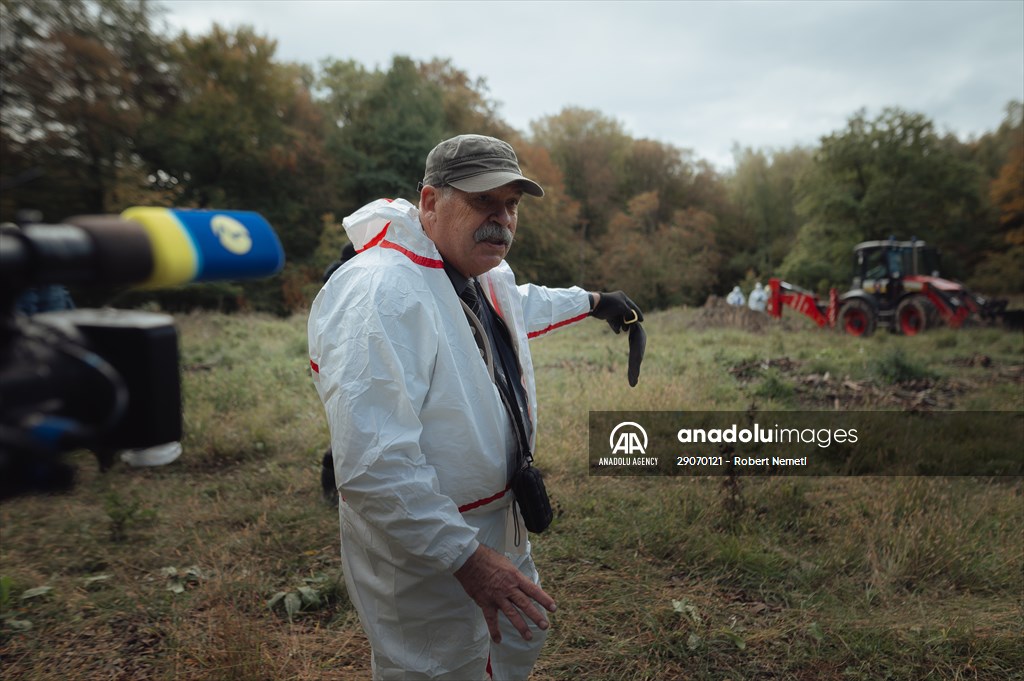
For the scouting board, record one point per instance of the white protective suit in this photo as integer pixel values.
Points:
(735, 297)
(421, 444)
(758, 298)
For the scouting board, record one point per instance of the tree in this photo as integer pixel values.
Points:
(660, 264)
(1001, 156)
(591, 150)
(342, 88)
(79, 80)
(1002, 270)
(380, 147)
(467, 105)
(892, 175)
(650, 165)
(546, 250)
(822, 257)
(992, 149)
(245, 134)
(763, 188)
(1007, 193)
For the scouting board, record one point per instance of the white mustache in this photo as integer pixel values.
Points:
(493, 230)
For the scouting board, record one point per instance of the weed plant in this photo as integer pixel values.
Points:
(893, 366)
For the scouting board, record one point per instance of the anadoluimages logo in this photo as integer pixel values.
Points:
(628, 438)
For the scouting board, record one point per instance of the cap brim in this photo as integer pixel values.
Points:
(499, 178)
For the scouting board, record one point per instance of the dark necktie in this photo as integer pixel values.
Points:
(472, 299)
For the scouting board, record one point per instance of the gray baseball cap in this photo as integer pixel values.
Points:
(476, 163)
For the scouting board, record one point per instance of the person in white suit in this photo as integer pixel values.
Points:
(419, 348)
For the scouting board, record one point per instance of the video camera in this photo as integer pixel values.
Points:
(105, 379)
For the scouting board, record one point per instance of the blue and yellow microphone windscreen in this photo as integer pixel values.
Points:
(208, 245)
(232, 244)
(175, 260)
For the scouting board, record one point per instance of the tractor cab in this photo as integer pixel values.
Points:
(888, 270)
(877, 263)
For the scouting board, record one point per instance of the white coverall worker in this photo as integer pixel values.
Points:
(421, 444)
(758, 300)
(735, 297)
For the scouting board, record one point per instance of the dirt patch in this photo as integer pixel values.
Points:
(823, 390)
(717, 314)
(1009, 372)
(754, 368)
(918, 395)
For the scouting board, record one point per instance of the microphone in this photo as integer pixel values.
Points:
(207, 245)
(105, 379)
(146, 247)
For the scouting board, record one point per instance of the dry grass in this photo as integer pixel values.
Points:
(656, 578)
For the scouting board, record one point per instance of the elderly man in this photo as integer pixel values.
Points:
(420, 354)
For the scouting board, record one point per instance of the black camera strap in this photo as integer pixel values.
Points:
(493, 339)
(506, 373)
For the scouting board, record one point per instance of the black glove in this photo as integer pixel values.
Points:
(637, 345)
(619, 311)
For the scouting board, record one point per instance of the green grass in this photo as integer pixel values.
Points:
(656, 578)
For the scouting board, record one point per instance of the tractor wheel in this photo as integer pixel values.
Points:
(914, 314)
(857, 318)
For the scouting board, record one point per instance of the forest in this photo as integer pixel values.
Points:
(103, 109)
(225, 566)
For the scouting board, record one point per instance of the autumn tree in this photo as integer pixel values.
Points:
(466, 102)
(590, 148)
(547, 250)
(1002, 269)
(1000, 156)
(245, 134)
(660, 263)
(650, 165)
(991, 150)
(79, 81)
(383, 123)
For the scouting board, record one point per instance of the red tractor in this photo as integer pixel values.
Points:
(896, 285)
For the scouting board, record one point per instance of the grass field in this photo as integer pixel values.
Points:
(224, 565)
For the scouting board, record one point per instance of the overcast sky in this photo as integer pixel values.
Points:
(698, 75)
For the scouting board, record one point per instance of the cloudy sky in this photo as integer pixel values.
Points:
(699, 75)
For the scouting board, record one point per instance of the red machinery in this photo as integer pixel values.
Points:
(783, 293)
(896, 284)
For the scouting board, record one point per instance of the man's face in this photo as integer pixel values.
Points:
(472, 231)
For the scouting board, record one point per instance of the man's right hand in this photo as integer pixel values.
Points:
(494, 583)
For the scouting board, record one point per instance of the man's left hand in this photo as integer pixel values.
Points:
(617, 309)
(620, 312)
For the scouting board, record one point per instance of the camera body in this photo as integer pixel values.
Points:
(102, 380)
(105, 380)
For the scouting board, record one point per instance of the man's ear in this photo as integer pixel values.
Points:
(428, 197)
(428, 205)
